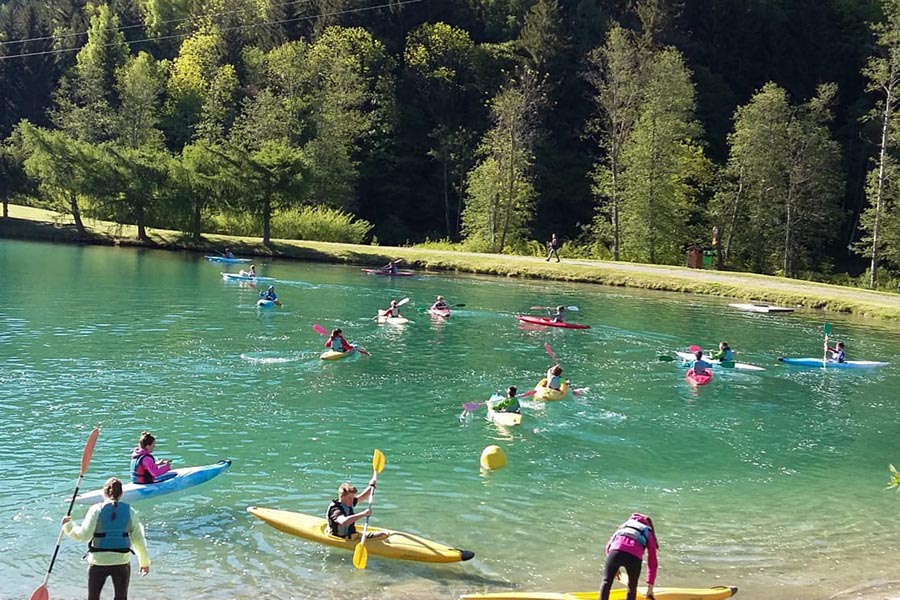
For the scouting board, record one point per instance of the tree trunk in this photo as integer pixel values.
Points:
(511, 186)
(139, 216)
(614, 171)
(734, 212)
(882, 177)
(5, 207)
(787, 262)
(195, 220)
(76, 214)
(446, 195)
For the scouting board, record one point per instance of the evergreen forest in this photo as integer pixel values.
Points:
(765, 130)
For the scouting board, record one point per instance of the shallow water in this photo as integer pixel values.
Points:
(770, 481)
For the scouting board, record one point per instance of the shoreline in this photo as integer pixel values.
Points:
(27, 223)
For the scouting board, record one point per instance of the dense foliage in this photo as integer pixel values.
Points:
(632, 128)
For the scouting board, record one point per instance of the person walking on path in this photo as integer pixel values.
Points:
(553, 247)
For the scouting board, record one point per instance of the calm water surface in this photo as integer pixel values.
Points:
(771, 481)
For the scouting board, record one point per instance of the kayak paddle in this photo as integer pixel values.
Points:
(360, 554)
(571, 308)
(825, 351)
(42, 593)
(322, 331)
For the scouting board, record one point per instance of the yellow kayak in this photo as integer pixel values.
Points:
(509, 419)
(332, 355)
(545, 394)
(399, 545)
(661, 593)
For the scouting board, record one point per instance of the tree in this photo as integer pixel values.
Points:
(139, 83)
(663, 167)
(500, 192)
(542, 38)
(13, 180)
(883, 74)
(615, 74)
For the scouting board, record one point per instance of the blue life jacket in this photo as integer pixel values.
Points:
(112, 533)
(635, 530)
(144, 477)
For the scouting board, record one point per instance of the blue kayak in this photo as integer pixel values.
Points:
(183, 479)
(830, 364)
(239, 277)
(222, 259)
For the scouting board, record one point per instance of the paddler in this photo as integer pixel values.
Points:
(724, 354)
(392, 311)
(228, 253)
(837, 353)
(559, 316)
(440, 304)
(626, 549)
(391, 267)
(340, 515)
(337, 342)
(249, 273)
(554, 377)
(145, 468)
(269, 294)
(509, 404)
(113, 530)
(699, 365)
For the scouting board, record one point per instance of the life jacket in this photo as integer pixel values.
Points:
(138, 473)
(727, 355)
(394, 311)
(554, 381)
(112, 533)
(335, 528)
(634, 530)
(339, 344)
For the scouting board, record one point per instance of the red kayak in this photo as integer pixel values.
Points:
(388, 273)
(695, 379)
(548, 322)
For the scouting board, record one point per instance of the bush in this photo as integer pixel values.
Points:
(320, 223)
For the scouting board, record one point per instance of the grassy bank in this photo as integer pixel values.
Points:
(37, 224)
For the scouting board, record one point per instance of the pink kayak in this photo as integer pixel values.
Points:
(546, 321)
(444, 313)
(388, 273)
(695, 379)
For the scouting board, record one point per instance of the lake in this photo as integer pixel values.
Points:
(772, 481)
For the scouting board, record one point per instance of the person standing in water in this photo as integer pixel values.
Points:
(626, 549)
(113, 530)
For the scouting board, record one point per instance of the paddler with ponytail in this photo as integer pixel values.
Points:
(113, 531)
(145, 468)
(626, 549)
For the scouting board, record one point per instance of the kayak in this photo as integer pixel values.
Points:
(509, 419)
(239, 277)
(263, 303)
(444, 313)
(548, 322)
(661, 593)
(545, 394)
(398, 545)
(388, 273)
(762, 308)
(830, 364)
(686, 356)
(391, 320)
(334, 355)
(222, 259)
(183, 479)
(694, 379)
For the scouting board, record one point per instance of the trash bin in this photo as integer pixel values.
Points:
(694, 257)
(709, 258)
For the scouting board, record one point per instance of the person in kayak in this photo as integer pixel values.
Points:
(269, 294)
(700, 366)
(228, 253)
(337, 342)
(113, 530)
(340, 515)
(440, 304)
(145, 468)
(626, 549)
(509, 404)
(559, 316)
(391, 267)
(251, 272)
(724, 354)
(837, 353)
(392, 311)
(554, 377)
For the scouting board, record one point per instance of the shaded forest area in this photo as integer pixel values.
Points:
(631, 128)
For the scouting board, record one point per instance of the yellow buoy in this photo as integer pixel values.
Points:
(492, 458)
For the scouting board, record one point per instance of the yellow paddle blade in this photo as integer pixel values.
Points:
(360, 555)
(378, 461)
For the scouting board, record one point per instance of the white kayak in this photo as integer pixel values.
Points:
(243, 277)
(184, 478)
(830, 364)
(382, 319)
(687, 356)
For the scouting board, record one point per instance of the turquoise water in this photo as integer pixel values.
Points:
(771, 481)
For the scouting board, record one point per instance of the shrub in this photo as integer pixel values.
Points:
(320, 223)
